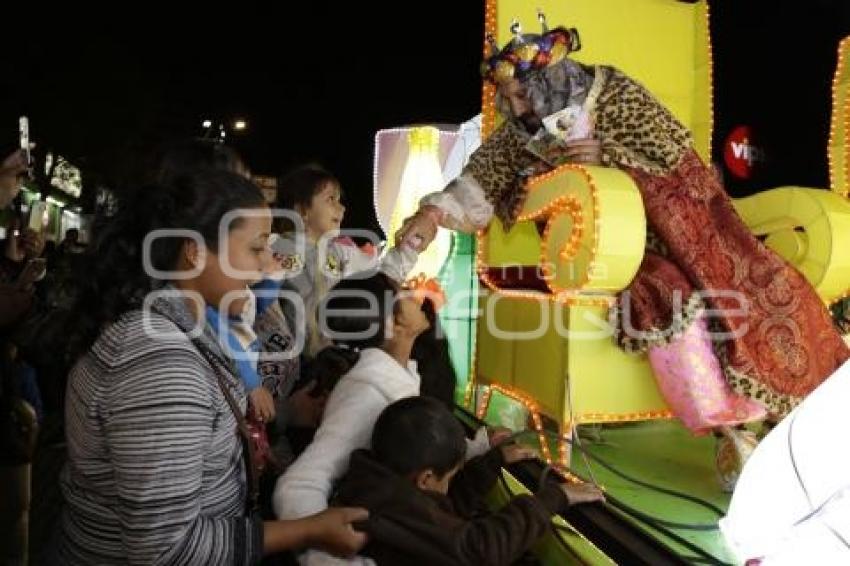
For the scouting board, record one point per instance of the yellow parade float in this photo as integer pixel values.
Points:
(545, 351)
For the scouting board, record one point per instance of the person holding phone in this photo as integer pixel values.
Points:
(22, 245)
(20, 268)
(13, 169)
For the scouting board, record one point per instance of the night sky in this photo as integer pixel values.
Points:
(316, 83)
(313, 84)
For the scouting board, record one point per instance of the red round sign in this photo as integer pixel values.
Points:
(740, 154)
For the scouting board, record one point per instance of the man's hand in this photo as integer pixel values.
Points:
(418, 230)
(586, 151)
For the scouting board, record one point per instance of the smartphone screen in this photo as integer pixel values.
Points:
(24, 129)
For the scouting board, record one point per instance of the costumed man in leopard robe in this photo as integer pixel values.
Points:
(700, 255)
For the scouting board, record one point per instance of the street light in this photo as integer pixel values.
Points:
(210, 126)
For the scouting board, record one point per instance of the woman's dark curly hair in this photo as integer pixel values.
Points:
(116, 279)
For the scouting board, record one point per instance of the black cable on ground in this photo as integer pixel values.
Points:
(672, 493)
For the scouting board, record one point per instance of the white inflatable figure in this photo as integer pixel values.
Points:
(792, 501)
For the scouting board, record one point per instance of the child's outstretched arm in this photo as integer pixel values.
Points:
(495, 539)
(474, 481)
(397, 263)
(478, 476)
(346, 426)
(502, 537)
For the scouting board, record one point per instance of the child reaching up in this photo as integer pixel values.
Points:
(316, 196)
(382, 321)
(373, 315)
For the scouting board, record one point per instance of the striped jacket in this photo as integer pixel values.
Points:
(155, 473)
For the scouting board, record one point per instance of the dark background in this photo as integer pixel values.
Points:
(103, 93)
(773, 70)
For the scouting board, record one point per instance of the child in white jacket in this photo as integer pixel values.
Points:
(383, 374)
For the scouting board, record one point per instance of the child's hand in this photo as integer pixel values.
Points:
(418, 230)
(263, 403)
(517, 452)
(498, 435)
(578, 493)
(305, 410)
(335, 533)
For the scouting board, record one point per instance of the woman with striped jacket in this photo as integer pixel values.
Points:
(155, 408)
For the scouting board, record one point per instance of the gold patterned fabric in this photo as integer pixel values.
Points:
(778, 341)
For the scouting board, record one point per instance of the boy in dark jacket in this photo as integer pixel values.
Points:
(425, 505)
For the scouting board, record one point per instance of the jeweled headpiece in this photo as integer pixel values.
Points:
(526, 53)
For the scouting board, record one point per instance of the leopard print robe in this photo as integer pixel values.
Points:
(636, 132)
